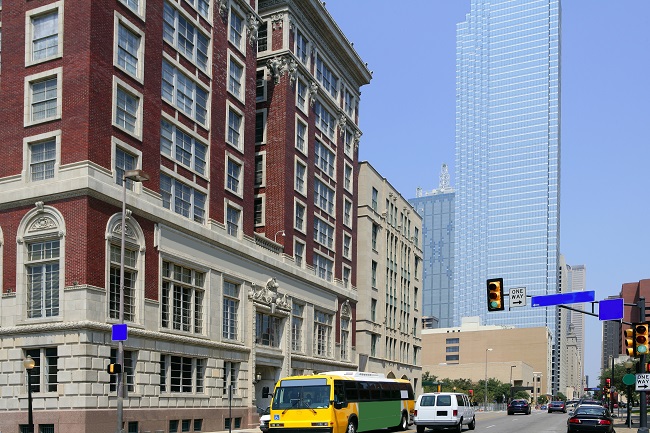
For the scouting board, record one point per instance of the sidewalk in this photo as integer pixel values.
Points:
(621, 427)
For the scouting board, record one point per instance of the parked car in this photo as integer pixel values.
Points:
(443, 409)
(557, 406)
(518, 406)
(265, 418)
(590, 418)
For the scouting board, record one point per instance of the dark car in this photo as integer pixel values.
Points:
(556, 406)
(590, 418)
(518, 406)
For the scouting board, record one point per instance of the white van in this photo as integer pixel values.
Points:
(443, 410)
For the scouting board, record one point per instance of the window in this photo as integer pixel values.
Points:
(260, 84)
(348, 139)
(183, 147)
(183, 93)
(260, 169)
(230, 373)
(347, 177)
(44, 375)
(267, 330)
(323, 233)
(348, 104)
(296, 326)
(373, 310)
(136, 6)
(43, 97)
(258, 210)
(301, 171)
(452, 341)
(127, 108)
(374, 233)
(301, 136)
(181, 374)
(236, 29)
(260, 126)
(128, 49)
(235, 74)
(233, 175)
(233, 220)
(346, 276)
(301, 47)
(187, 201)
(203, 6)
(299, 253)
(347, 245)
(323, 197)
(42, 270)
(230, 310)
(374, 345)
(234, 128)
(129, 370)
(301, 95)
(345, 337)
(299, 222)
(322, 333)
(374, 199)
(42, 160)
(186, 37)
(324, 119)
(324, 158)
(124, 161)
(182, 298)
(44, 39)
(347, 212)
(373, 274)
(130, 278)
(263, 37)
(326, 77)
(323, 267)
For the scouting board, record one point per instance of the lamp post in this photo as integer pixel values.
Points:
(275, 238)
(485, 403)
(29, 364)
(135, 176)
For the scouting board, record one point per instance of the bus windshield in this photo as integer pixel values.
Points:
(301, 394)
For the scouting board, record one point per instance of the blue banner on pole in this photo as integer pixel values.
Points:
(563, 298)
(120, 332)
(610, 309)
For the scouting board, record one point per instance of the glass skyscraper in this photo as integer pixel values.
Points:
(507, 157)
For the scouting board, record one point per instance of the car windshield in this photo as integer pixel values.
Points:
(301, 394)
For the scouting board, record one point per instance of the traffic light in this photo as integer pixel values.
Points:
(495, 294)
(642, 339)
(608, 384)
(629, 342)
(114, 368)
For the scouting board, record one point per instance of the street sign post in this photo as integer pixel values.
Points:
(563, 298)
(642, 382)
(518, 297)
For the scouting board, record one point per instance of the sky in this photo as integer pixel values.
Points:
(407, 116)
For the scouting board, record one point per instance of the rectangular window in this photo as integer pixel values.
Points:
(233, 176)
(236, 29)
(128, 50)
(233, 217)
(42, 270)
(260, 126)
(130, 277)
(374, 345)
(44, 33)
(347, 178)
(182, 298)
(186, 201)
(326, 77)
(230, 310)
(323, 197)
(323, 267)
(300, 217)
(375, 193)
(134, 5)
(324, 158)
(42, 160)
(44, 99)
(129, 370)
(267, 330)
(347, 245)
(299, 253)
(296, 327)
(452, 341)
(301, 171)
(373, 310)
(260, 169)
(345, 336)
(347, 212)
(374, 233)
(262, 36)
(301, 95)
(322, 333)
(346, 276)
(348, 105)
(182, 147)
(44, 375)
(323, 233)
(349, 137)
(324, 119)
(301, 136)
(235, 74)
(230, 373)
(258, 211)
(185, 36)
(124, 161)
(234, 128)
(183, 93)
(301, 47)
(182, 374)
(373, 273)
(260, 85)
(127, 107)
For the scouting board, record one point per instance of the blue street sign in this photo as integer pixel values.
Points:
(119, 332)
(563, 298)
(610, 309)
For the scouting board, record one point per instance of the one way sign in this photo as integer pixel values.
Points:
(642, 382)
(518, 297)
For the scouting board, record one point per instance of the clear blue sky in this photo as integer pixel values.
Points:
(407, 116)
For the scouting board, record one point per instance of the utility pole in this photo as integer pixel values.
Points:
(643, 405)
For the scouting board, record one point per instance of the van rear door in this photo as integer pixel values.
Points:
(445, 406)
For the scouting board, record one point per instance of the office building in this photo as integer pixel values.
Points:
(437, 211)
(206, 98)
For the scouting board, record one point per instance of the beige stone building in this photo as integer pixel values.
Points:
(520, 355)
(389, 280)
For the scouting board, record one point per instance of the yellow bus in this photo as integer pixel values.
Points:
(341, 402)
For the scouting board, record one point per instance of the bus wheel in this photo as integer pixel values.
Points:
(403, 423)
(352, 427)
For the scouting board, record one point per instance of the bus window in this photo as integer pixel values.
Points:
(339, 392)
(364, 391)
(351, 392)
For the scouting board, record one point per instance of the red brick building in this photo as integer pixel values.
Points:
(239, 250)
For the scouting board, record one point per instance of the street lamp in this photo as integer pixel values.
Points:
(275, 238)
(29, 364)
(134, 176)
(486, 352)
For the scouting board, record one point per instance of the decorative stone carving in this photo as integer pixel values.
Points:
(42, 223)
(253, 25)
(279, 65)
(313, 92)
(292, 68)
(357, 137)
(342, 121)
(222, 6)
(40, 206)
(269, 295)
(346, 310)
(128, 233)
(277, 20)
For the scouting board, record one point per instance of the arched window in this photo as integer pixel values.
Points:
(133, 268)
(40, 261)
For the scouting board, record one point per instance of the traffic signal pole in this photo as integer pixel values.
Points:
(643, 404)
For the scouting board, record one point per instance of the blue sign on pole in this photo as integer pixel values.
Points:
(610, 309)
(563, 298)
(119, 332)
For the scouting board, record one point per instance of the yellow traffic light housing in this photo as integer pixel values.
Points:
(642, 339)
(495, 294)
(630, 342)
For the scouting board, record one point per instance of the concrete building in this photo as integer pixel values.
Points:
(219, 299)
(389, 277)
(437, 211)
(463, 352)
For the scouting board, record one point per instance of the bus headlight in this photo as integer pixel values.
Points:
(319, 424)
(277, 424)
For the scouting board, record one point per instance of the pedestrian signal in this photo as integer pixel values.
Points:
(114, 368)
